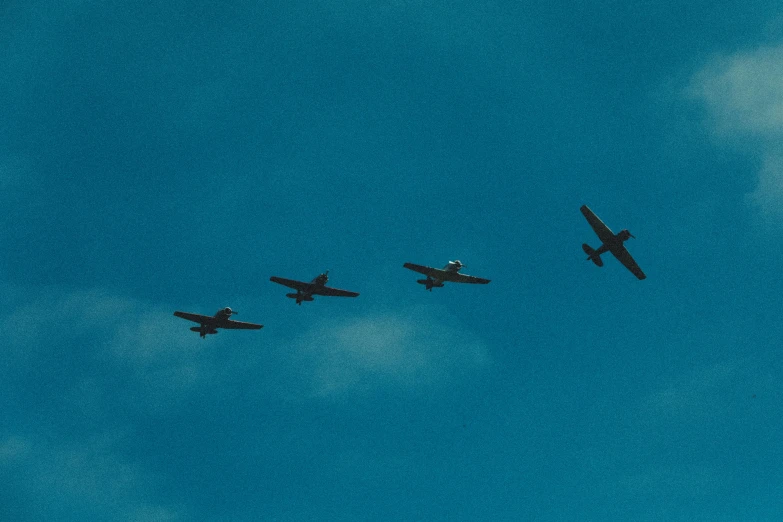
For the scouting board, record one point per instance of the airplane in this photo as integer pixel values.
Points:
(305, 291)
(222, 319)
(610, 242)
(450, 273)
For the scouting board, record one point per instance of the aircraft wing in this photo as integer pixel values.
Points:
(435, 273)
(290, 283)
(625, 258)
(603, 232)
(335, 292)
(455, 277)
(445, 275)
(196, 318)
(238, 325)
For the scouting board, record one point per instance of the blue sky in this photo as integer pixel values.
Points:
(173, 157)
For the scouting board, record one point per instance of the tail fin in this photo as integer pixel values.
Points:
(591, 255)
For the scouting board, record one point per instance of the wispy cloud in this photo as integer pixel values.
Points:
(743, 95)
(124, 358)
(407, 350)
(129, 359)
(144, 346)
(46, 318)
(744, 91)
(87, 480)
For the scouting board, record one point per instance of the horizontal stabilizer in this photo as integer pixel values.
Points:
(592, 256)
(197, 329)
(300, 297)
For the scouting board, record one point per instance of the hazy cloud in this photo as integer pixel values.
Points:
(137, 343)
(768, 194)
(407, 350)
(89, 479)
(161, 363)
(123, 357)
(128, 359)
(743, 94)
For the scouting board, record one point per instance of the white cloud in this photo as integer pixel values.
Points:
(768, 194)
(743, 94)
(88, 479)
(406, 350)
(121, 355)
(138, 343)
(126, 355)
(162, 364)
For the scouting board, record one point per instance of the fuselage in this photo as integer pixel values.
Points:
(452, 266)
(434, 281)
(306, 294)
(221, 315)
(614, 242)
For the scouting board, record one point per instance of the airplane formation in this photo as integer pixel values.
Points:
(436, 277)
